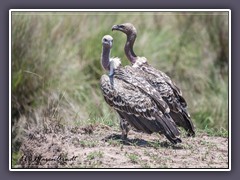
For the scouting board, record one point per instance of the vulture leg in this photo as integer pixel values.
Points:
(124, 125)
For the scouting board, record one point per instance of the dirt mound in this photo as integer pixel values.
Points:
(100, 146)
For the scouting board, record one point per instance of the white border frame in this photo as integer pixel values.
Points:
(121, 10)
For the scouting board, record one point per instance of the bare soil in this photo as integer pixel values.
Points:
(100, 146)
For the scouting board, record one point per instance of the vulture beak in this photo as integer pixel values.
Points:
(115, 27)
(110, 43)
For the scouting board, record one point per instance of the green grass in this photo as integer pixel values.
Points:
(95, 155)
(56, 57)
(113, 142)
(133, 158)
(86, 143)
(220, 132)
(15, 158)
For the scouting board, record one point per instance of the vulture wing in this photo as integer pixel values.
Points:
(137, 107)
(171, 94)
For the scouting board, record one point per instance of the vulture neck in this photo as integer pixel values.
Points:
(129, 48)
(105, 59)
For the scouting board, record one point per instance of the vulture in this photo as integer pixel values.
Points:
(137, 104)
(159, 81)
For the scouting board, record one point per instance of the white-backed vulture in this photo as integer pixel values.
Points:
(159, 81)
(133, 98)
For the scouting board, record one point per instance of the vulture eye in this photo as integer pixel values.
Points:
(105, 39)
(121, 26)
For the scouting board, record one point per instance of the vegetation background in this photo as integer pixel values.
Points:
(55, 64)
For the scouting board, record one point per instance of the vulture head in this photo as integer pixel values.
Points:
(126, 28)
(107, 41)
(131, 32)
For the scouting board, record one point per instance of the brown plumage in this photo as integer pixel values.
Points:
(133, 98)
(171, 94)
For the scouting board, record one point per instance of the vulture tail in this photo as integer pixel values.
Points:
(189, 125)
(183, 120)
(169, 129)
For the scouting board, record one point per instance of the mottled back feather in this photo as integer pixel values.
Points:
(134, 102)
(171, 94)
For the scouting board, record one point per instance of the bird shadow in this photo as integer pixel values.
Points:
(142, 143)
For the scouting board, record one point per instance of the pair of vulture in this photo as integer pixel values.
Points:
(144, 97)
